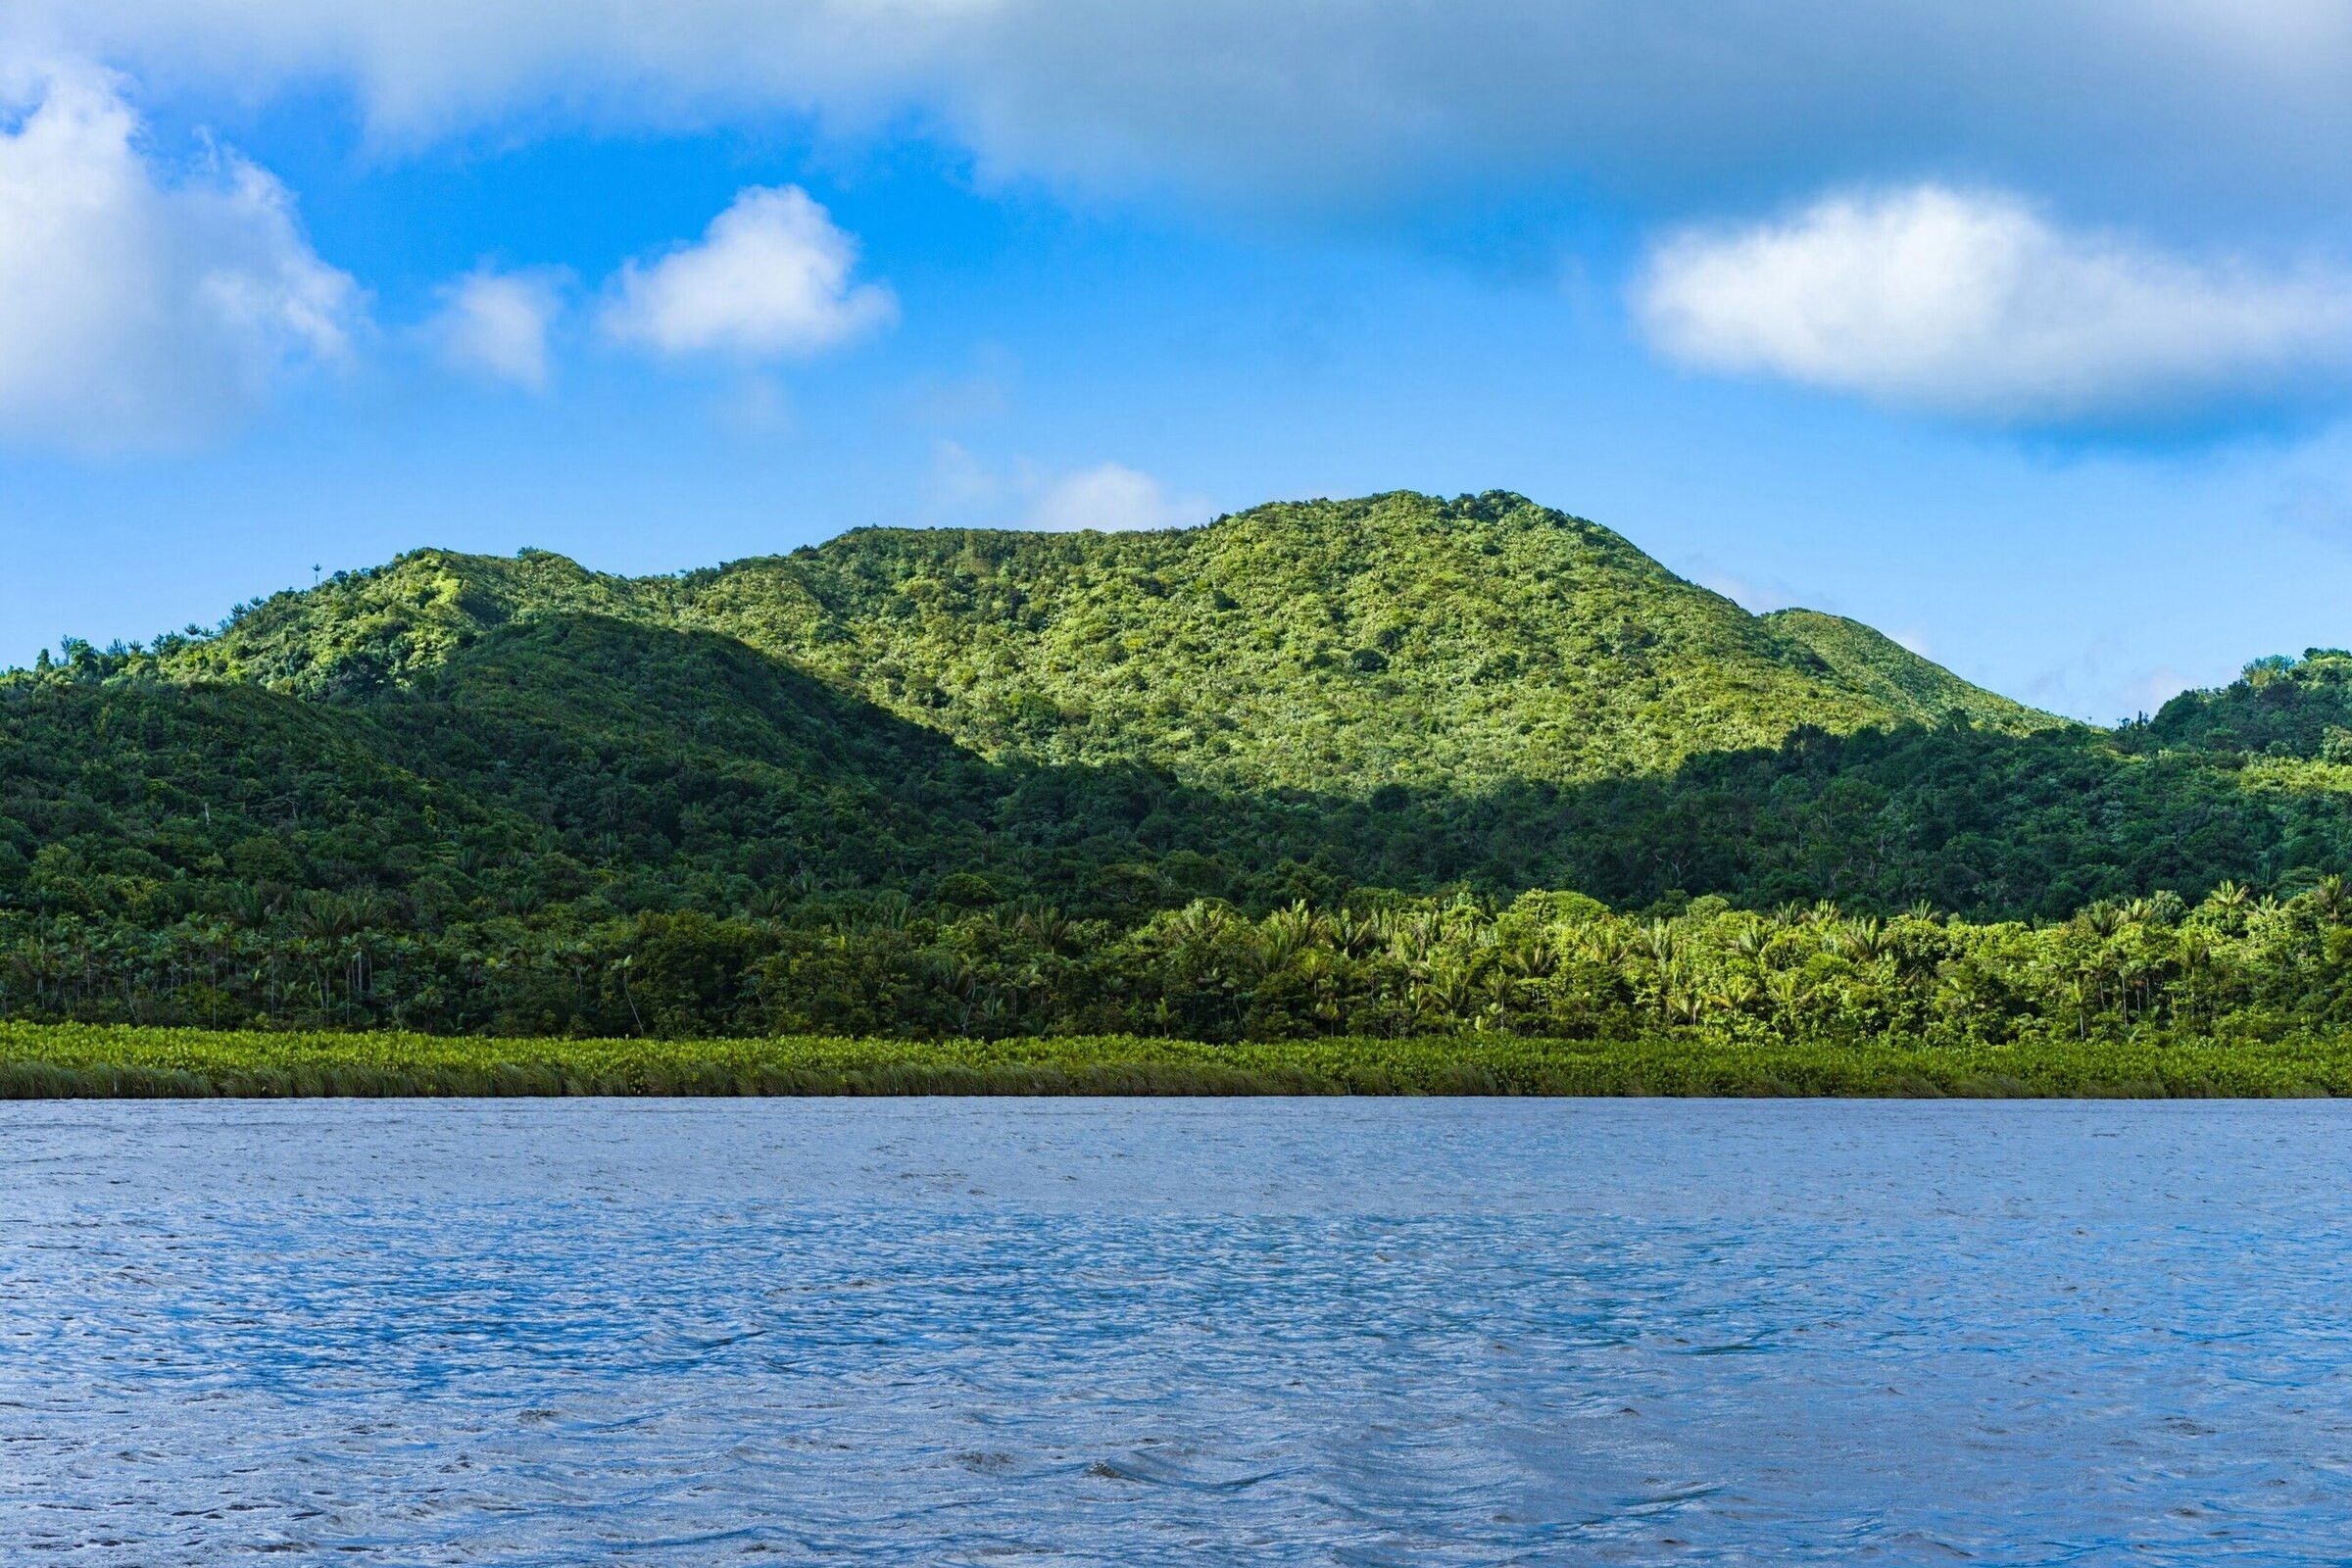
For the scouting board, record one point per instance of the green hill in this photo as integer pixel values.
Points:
(1329, 645)
(458, 790)
(1337, 646)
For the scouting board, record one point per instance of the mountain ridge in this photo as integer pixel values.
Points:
(1392, 640)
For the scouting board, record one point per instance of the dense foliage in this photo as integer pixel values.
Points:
(1292, 774)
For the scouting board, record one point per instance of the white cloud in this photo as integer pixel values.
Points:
(496, 325)
(140, 307)
(1975, 305)
(1111, 497)
(1278, 102)
(966, 492)
(771, 278)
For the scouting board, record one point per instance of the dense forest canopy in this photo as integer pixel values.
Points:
(941, 781)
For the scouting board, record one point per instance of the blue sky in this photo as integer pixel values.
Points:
(2024, 335)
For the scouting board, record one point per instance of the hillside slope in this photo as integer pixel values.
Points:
(1397, 640)
(1333, 646)
(1871, 661)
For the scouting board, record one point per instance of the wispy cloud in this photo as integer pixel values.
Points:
(966, 491)
(1113, 497)
(496, 323)
(1756, 598)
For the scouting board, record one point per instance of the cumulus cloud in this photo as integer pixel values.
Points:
(496, 325)
(1289, 101)
(1111, 497)
(143, 306)
(1975, 305)
(966, 491)
(771, 278)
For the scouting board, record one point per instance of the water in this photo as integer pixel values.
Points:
(1174, 1332)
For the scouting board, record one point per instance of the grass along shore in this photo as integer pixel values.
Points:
(99, 1061)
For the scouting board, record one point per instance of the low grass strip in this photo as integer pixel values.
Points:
(63, 1061)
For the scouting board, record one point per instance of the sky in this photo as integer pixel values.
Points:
(2022, 333)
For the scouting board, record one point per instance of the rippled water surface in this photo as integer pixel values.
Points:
(1174, 1332)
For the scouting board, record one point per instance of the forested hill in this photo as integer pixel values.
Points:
(1332, 646)
(463, 792)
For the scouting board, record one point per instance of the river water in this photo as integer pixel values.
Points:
(1196, 1332)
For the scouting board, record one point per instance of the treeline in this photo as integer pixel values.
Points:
(2236, 967)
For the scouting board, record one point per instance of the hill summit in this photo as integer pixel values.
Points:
(1337, 646)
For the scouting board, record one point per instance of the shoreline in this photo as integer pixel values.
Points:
(60, 1061)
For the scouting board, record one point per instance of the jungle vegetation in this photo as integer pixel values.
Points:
(1315, 769)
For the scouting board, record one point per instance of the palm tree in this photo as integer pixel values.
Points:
(1357, 935)
(1448, 992)
(1534, 959)
(1044, 926)
(1286, 933)
(1860, 941)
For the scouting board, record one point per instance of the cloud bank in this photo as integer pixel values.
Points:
(2175, 121)
(1975, 305)
(143, 306)
(1280, 102)
(1349, 102)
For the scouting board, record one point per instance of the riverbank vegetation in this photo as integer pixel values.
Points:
(48, 1062)
(2235, 968)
